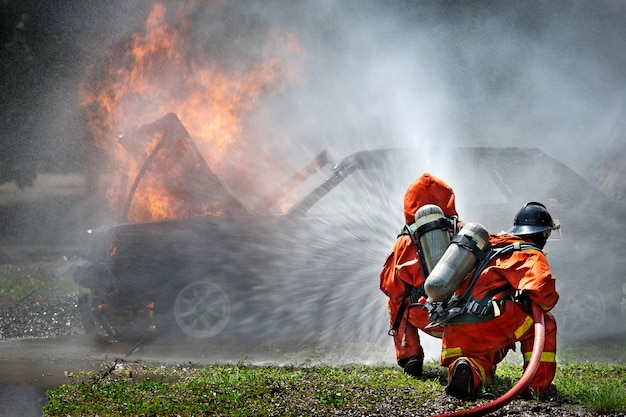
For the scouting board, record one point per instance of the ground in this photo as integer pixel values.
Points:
(53, 317)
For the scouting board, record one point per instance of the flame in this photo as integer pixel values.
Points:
(156, 72)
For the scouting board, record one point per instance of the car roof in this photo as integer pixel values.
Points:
(512, 168)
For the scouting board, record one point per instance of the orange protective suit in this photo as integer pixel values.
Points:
(485, 343)
(402, 267)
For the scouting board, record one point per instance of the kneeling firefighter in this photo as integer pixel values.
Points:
(406, 265)
(490, 311)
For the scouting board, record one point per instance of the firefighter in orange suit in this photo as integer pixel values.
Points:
(402, 272)
(472, 345)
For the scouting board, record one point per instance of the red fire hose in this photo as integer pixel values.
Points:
(522, 384)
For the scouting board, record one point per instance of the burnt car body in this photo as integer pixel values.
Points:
(312, 271)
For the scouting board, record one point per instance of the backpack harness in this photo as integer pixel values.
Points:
(459, 309)
(464, 308)
(416, 293)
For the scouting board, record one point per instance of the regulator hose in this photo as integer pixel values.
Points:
(522, 384)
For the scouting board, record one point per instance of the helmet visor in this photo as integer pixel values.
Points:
(556, 231)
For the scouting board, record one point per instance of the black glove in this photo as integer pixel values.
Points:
(412, 366)
(521, 297)
(417, 296)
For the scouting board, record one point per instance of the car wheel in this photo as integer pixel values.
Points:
(201, 310)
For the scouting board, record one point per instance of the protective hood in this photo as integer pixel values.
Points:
(428, 189)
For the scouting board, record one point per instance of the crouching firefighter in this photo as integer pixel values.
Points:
(406, 265)
(489, 310)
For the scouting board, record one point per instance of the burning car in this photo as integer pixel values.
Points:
(219, 268)
(304, 262)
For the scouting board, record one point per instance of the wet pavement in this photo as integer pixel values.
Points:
(28, 367)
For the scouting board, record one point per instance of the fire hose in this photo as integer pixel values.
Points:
(524, 381)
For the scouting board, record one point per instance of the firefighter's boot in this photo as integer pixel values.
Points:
(460, 381)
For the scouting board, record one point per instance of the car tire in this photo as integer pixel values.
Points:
(200, 310)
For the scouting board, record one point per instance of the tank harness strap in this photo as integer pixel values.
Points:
(408, 229)
(411, 230)
(470, 244)
(396, 322)
(481, 310)
(414, 293)
(440, 223)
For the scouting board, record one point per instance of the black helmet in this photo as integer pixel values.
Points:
(530, 219)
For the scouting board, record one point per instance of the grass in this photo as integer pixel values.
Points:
(239, 390)
(23, 284)
(242, 390)
(600, 387)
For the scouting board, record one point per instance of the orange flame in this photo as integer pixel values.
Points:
(155, 73)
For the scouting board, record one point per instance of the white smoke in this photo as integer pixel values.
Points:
(408, 73)
(423, 73)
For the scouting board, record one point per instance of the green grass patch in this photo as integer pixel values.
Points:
(599, 387)
(242, 390)
(17, 285)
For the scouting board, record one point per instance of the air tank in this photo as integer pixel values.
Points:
(433, 234)
(456, 262)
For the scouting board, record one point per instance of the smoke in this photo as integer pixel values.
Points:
(423, 74)
(407, 73)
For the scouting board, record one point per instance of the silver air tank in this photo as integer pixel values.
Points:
(433, 235)
(456, 262)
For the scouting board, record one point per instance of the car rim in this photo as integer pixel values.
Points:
(202, 309)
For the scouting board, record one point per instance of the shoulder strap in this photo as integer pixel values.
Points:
(408, 229)
(411, 231)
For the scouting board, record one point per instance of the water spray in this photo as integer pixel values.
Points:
(524, 381)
